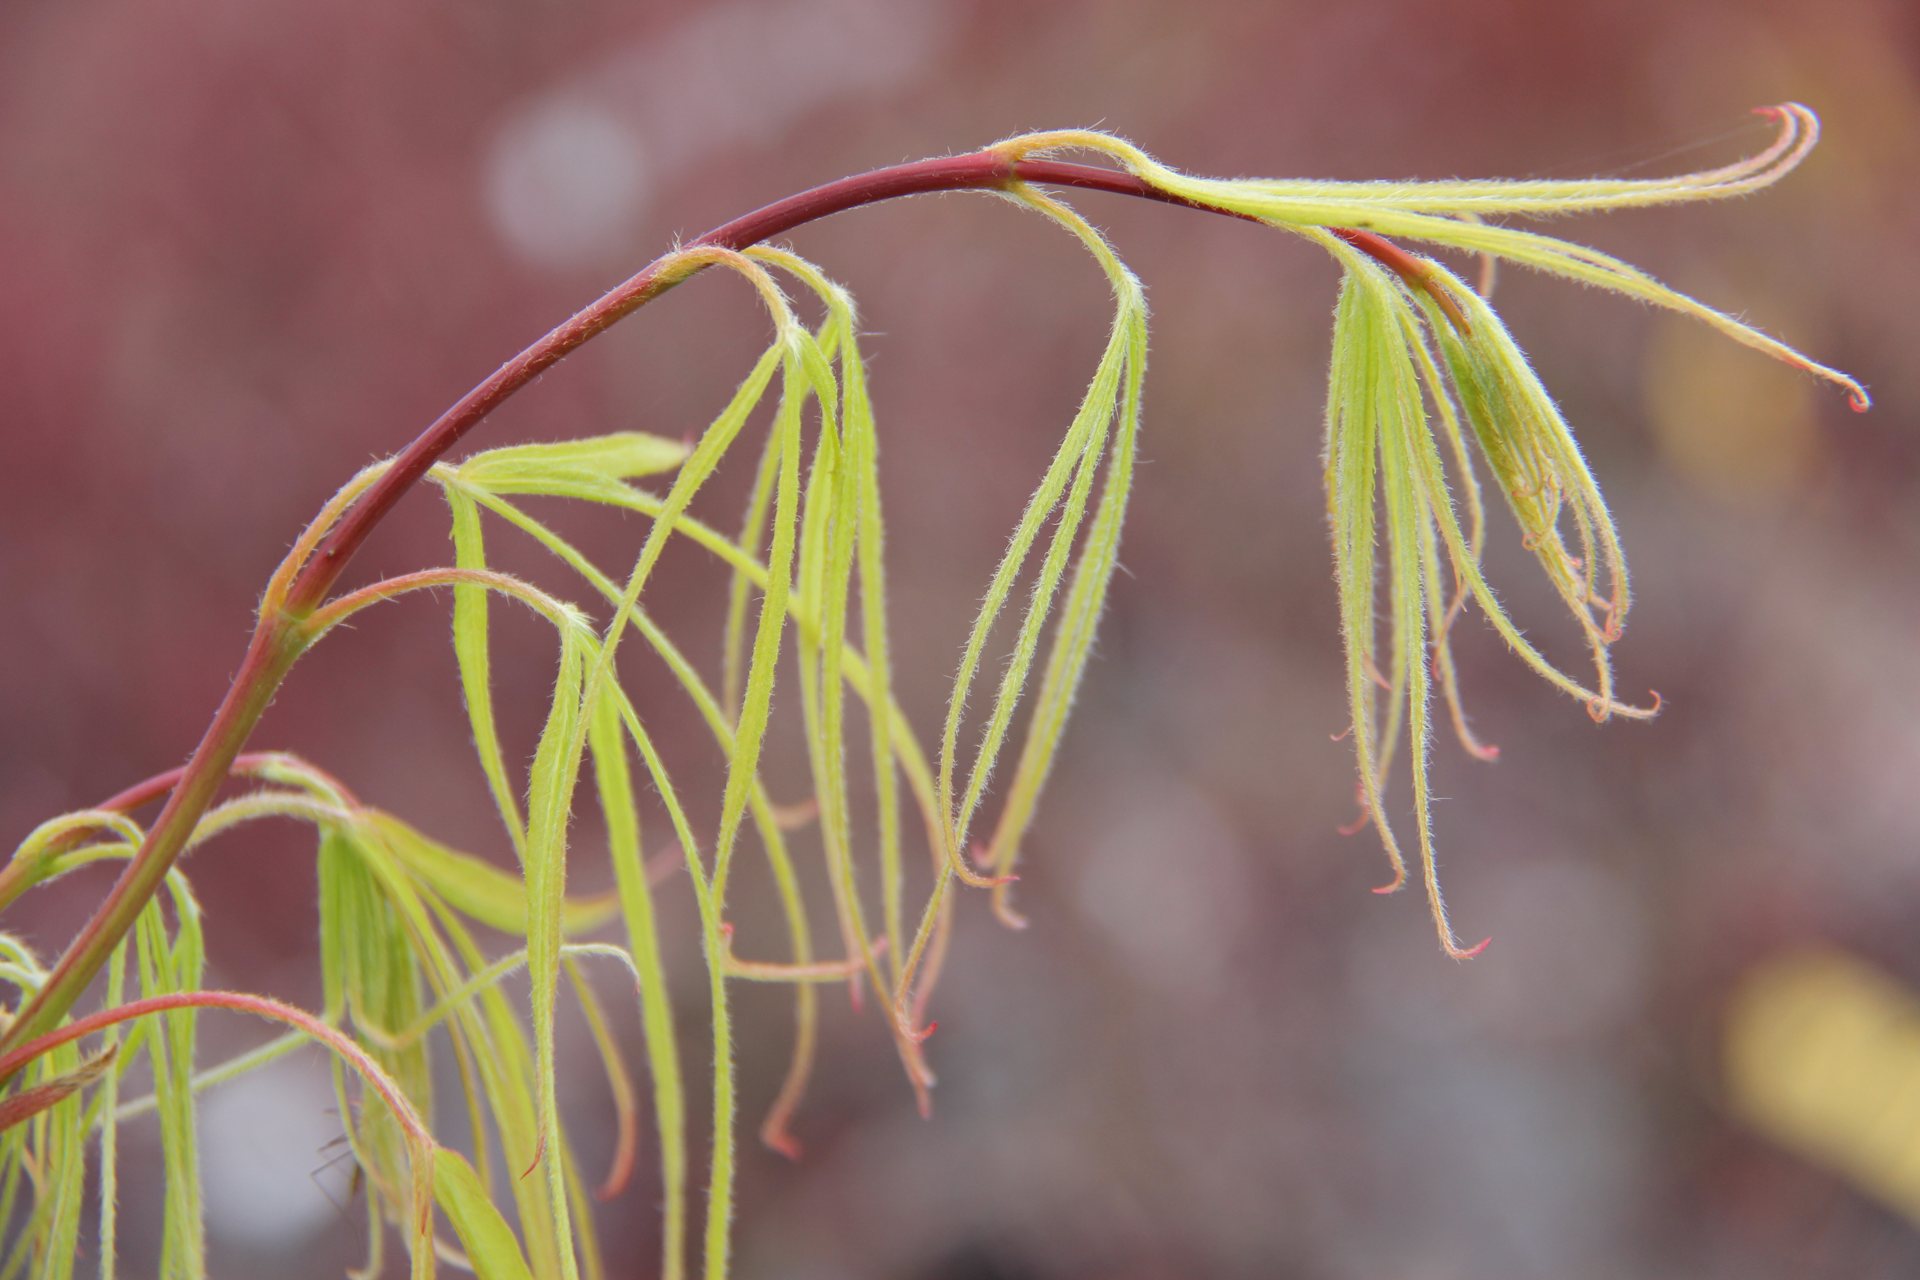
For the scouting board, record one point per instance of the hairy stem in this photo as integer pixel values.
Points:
(275, 646)
(281, 635)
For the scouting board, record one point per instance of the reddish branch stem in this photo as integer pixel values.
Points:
(281, 634)
(980, 170)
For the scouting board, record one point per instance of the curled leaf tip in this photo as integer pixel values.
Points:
(792, 817)
(919, 1074)
(1394, 885)
(1603, 709)
(539, 1153)
(1009, 918)
(1468, 953)
(984, 856)
(784, 1143)
(616, 1182)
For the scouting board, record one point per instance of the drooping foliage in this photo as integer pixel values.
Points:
(416, 937)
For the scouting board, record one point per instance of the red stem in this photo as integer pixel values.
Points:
(282, 635)
(980, 170)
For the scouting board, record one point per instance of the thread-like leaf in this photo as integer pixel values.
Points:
(1093, 570)
(733, 670)
(829, 525)
(1352, 445)
(626, 1111)
(614, 782)
(1449, 214)
(170, 966)
(913, 762)
(549, 800)
(1067, 465)
(471, 651)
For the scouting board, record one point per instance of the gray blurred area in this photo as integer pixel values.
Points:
(245, 248)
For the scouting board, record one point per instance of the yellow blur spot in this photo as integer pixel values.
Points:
(1823, 1056)
(1728, 421)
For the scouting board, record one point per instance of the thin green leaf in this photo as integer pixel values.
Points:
(1072, 463)
(168, 966)
(533, 468)
(614, 782)
(1093, 570)
(481, 890)
(549, 801)
(489, 1242)
(471, 651)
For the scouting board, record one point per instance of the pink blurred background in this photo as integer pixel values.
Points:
(246, 248)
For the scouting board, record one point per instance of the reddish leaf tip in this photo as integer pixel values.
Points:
(1008, 917)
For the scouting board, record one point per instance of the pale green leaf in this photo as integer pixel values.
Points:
(479, 889)
(614, 782)
(471, 651)
(537, 468)
(489, 1242)
(549, 804)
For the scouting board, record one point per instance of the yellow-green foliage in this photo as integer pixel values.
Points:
(1384, 452)
(415, 937)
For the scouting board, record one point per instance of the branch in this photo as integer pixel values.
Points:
(986, 170)
(281, 637)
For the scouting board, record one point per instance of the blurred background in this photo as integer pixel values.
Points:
(246, 248)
